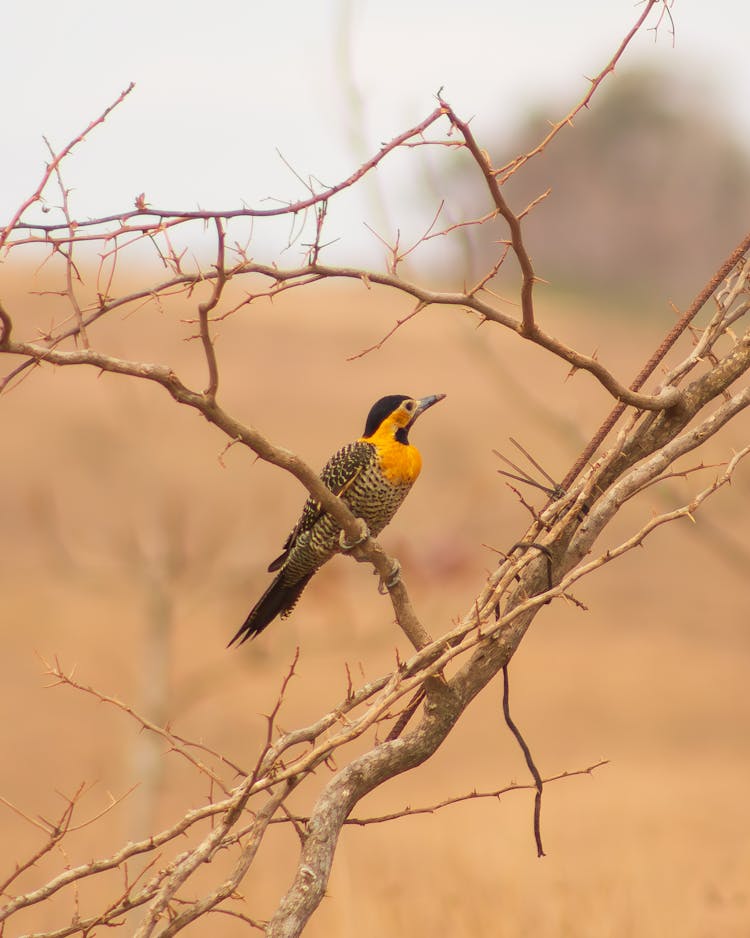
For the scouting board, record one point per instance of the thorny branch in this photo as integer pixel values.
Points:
(299, 276)
(733, 267)
(173, 742)
(53, 167)
(170, 216)
(203, 312)
(471, 635)
(110, 228)
(505, 172)
(494, 795)
(655, 432)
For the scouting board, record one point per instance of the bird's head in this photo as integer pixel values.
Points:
(395, 414)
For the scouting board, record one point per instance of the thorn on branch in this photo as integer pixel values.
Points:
(524, 504)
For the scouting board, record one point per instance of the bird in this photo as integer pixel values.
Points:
(373, 475)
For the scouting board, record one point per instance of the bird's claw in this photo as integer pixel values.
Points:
(364, 533)
(388, 583)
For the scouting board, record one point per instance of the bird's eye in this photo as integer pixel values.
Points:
(409, 406)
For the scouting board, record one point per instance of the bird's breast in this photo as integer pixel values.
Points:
(400, 463)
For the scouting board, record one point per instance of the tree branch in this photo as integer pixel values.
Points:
(668, 342)
(53, 165)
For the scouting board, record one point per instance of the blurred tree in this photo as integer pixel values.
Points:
(645, 185)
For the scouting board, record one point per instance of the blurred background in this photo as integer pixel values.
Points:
(132, 548)
(235, 103)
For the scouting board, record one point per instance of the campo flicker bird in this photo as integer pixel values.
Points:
(373, 476)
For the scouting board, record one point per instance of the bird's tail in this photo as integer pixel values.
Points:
(279, 599)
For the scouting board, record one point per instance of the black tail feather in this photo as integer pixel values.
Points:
(279, 599)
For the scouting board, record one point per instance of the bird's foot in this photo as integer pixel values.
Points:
(364, 533)
(387, 583)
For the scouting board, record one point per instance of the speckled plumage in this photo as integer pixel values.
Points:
(373, 476)
(354, 474)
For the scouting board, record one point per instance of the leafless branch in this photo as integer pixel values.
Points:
(505, 172)
(495, 795)
(701, 393)
(53, 165)
(173, 742)
(724, 271)
(170, 217)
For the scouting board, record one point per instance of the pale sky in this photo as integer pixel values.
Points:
(220, 86)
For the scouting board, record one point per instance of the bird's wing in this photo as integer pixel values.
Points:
(338, 474)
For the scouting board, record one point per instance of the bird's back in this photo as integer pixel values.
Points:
(355, 473)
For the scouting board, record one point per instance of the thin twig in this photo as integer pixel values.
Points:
(506, 171)
(205, 308)
(52, 167)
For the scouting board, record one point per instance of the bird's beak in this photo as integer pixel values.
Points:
(424, 402)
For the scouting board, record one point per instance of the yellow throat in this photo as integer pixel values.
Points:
(400, 463)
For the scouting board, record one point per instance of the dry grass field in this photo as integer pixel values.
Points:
(113, 500)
